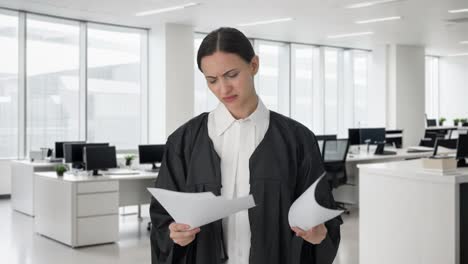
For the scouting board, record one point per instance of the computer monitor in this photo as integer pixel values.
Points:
(446, 143)
(372, 135)
(99, 158)
(431, 122)
(354, 136)
(462, 150)
(359, 136)
(73, 152)
(59, 148)
(151, 154)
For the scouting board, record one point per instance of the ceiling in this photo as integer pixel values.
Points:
(424, 22)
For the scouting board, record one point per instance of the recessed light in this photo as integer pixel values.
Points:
(458, 11)
(378, 20)
(458, 54)
(464, 42)
(350, 35)
(163, 10)
(264, 22)
(371, 3)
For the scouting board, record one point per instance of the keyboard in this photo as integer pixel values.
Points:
(386, 152)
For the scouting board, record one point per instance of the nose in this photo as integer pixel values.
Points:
(224, 86)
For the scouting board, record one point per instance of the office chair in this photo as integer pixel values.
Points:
(334, 160)
(322, 138)
(430, 139)
(446, 143)
(431, 122)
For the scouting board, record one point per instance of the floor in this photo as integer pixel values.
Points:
(20, 245)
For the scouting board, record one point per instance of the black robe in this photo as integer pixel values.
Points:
(285, 163)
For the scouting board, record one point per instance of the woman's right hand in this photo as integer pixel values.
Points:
(181, 235)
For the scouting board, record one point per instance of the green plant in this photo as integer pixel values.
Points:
(441, 121)
(128, 159)
(61, 169)
(463, 120)
(456, 121)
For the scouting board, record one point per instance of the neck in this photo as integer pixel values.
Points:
(246, 109)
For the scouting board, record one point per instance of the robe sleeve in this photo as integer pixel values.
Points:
(171, 177)
(310, 169)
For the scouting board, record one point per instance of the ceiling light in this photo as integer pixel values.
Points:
(266, 22)
(464, 42)
(378, 20)
(458, 11)
(163, 10)
(350, 35)
(371, 3)
(457, 55)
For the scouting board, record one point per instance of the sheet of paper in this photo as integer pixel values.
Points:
(198, 209)
(306, 213)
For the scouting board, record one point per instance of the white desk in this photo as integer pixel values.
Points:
(83, 210)
(409, 215)
(22, 183)
(348, 194)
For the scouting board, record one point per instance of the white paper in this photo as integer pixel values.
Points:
(306, 213)
(198, 209)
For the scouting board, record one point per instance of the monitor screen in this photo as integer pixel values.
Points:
(462, 146)
(372, 135)
(73, 152)
(354, 136)
(99, 157)
(151, 153)
(59, 153)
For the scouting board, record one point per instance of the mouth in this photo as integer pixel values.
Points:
(229, 99)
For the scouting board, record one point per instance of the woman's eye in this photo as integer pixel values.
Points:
(212, 81)
(232, 75)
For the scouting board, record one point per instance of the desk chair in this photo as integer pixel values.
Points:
(431, 122)
(334, 160)
(446, 143)
(322, 138)
(430, 139)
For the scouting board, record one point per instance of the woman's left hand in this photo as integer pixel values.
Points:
(315, 235)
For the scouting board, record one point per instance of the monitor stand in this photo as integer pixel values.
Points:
(155, 168)
(462, 163)
(96, 173)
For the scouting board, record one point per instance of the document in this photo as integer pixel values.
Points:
(306, 213)
(198, 209)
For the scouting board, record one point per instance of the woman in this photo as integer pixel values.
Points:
(240, 148)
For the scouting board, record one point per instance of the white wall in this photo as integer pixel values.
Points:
(376, 91)
(5, 177)
(453, 91)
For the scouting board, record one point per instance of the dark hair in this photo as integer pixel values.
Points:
(228, 40)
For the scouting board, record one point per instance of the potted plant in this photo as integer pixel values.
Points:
(128, 159)
(441, 121)
(463, 121)
(456, 121)
(61, 169)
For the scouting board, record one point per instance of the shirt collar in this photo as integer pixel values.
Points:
(223, 118)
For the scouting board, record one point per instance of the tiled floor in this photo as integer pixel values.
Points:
(20, 245)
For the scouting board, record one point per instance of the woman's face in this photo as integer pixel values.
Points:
(230, 78)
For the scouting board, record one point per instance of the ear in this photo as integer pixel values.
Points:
(254, 65)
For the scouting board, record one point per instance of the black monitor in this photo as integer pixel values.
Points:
(354, 136)
(462, 150)
(372, 135)
(151, 154)
(359, 136)
(59, 153)
(73, 152)
(99, 158)
(446, 143)
(431, 122)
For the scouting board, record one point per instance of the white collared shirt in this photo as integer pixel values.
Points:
(235, 141)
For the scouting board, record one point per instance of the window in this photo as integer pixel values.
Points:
(272, 81)
(52, 81)
(432, 87)
(8, 85)
(205, 100)
(331, 90)
(114, 95)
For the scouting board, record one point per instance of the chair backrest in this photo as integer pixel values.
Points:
(431, 122)
(335, 150)
(446, 143)
(324, 137)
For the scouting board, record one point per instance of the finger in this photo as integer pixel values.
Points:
(184, 234)
(178, 227)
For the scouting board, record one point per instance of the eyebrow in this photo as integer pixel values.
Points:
(224, 74)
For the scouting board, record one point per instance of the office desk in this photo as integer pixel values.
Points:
(84, 210)
(22, 183)
(348, 193)
(409, 215)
